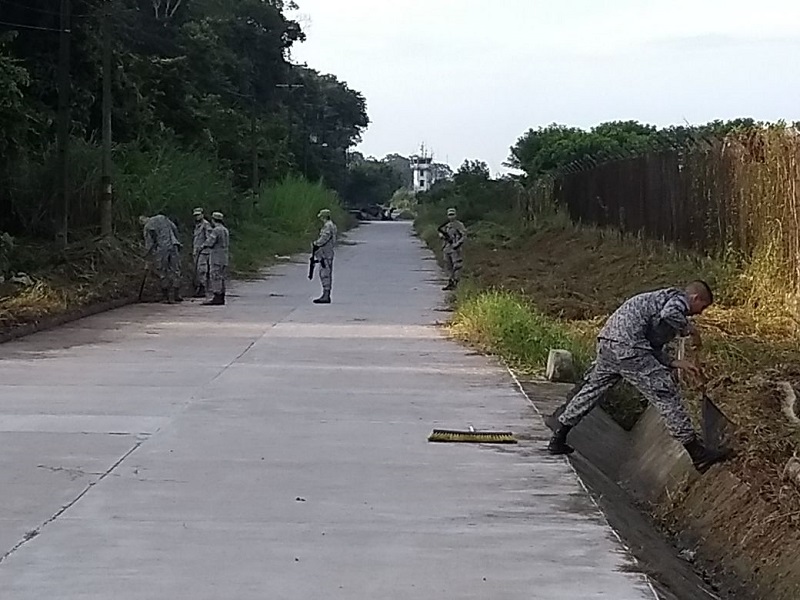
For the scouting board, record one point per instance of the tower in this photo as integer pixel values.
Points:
(421, 167)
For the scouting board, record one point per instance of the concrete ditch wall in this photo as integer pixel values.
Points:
(716, 515)
(719, 512)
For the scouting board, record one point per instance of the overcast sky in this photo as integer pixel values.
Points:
(468, 77)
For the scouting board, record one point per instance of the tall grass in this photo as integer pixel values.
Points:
(733, 199)
(168, 180)
(506, 324)
(283, 220)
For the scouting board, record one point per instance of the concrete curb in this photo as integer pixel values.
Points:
(66, 317)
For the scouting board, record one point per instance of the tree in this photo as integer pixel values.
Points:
(370, 183)
(208, 75)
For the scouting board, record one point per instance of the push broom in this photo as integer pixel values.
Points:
(472, 437)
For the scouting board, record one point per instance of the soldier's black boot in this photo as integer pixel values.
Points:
(200, 291)
(702, 457)
(325, 298)
(166, 296)
(216, 300)
(450, 286)
(558, 443)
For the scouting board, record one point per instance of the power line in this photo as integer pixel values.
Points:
(34, 27)
(42, 10)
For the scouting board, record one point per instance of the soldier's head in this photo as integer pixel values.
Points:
(451, 214)
(198, 214)
(700, 296)
(324, 214)
(142, 219)
(217, 217)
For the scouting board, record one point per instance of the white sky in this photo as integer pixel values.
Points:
(468, 77)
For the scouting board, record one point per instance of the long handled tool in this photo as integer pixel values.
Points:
(472, 436)
(141, 286)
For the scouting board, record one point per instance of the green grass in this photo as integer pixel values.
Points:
(505, 324)
(283, 220)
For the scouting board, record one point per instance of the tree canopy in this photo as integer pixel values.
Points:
(548, 149)
(212, 75)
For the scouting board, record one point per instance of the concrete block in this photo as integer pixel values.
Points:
(560, 366)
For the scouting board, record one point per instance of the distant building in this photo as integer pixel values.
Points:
(421, 168)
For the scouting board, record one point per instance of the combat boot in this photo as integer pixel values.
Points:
(450, 286)
(166, 296)
(325, 298)
(200, 291)
(704, 458)
(216, 300)
(558, 443)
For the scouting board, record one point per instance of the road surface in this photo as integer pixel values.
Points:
(274, 449)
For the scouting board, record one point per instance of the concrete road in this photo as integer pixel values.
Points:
(275, 449)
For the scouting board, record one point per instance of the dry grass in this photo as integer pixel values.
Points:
(580, 275)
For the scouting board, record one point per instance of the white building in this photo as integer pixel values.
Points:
(421, 168)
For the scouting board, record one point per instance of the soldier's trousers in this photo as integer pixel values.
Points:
(216, 278)
(202, 268)
(168, 268)
(326, 273)
(652, 379)
(454, 262)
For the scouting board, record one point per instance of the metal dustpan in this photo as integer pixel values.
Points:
(717, 428)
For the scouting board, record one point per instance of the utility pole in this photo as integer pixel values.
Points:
(254, 138)
(63, 115)
(106, 208)
(297, 86)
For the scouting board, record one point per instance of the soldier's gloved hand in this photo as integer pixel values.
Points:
(694, 335)
(689, 367)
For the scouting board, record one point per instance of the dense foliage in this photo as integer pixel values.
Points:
(207, 77)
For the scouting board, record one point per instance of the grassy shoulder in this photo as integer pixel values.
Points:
(281, 221)
(530, 289)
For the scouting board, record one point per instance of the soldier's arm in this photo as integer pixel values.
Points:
(674, 314)
(149, 239)
(324, 237)
(462, 235)
(211, 239)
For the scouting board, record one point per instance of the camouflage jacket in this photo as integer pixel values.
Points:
(202, 230)
(646, 323)
(454, 234)
(218, 242)
(326, 240)
(160, 234)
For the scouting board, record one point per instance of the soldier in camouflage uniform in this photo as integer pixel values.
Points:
(162, 246)
(217, 243)
(200, 254)
(454, 235)
(631, 347)
(323, 254)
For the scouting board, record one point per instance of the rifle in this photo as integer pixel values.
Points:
(442, 230)
(312, 262)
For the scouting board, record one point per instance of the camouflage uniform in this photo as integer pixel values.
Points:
(324, 254)
(161, 241)
(631, 347)
(455, 234)
(200, 254)
(217, 244)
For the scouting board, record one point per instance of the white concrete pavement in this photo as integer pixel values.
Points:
(276, 449)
